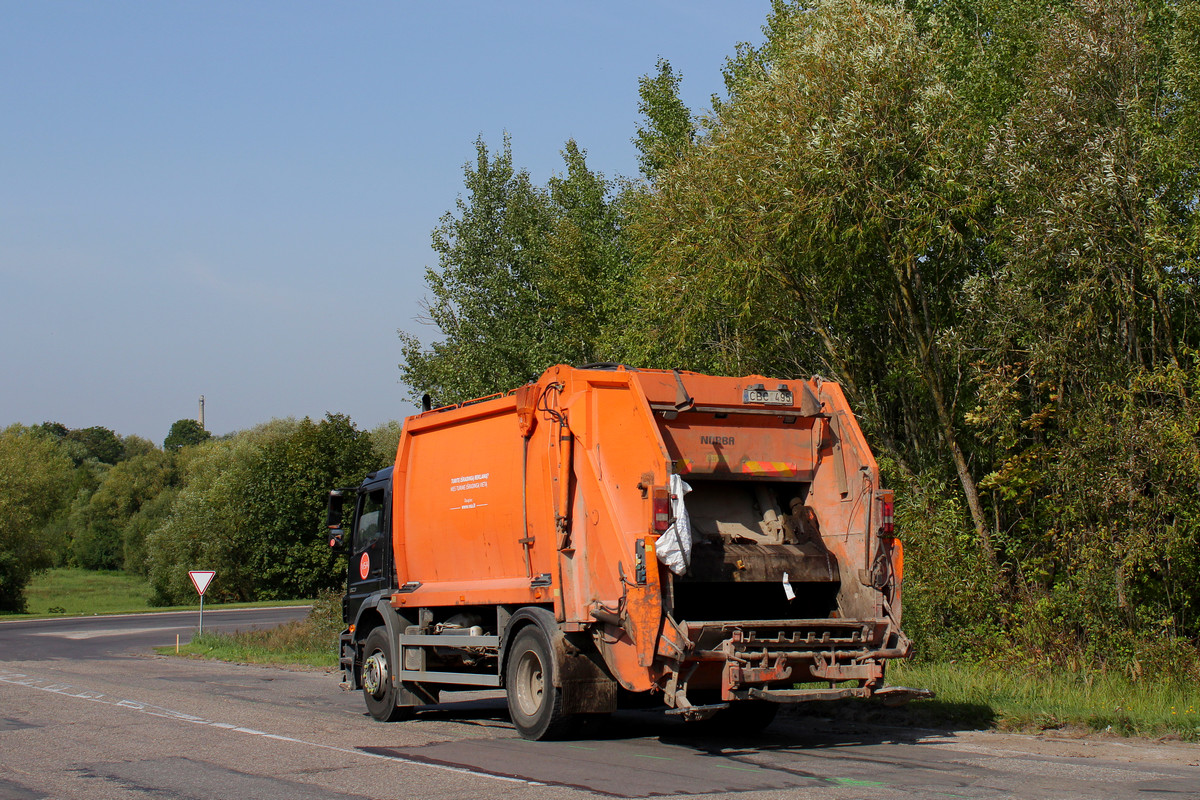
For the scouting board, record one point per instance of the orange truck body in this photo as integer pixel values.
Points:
(547, 507)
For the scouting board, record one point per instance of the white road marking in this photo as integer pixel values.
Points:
(93, 633)
(66, 690)
(151, 614)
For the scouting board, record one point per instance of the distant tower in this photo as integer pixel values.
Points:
(200, 418)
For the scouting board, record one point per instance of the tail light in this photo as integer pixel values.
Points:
(889, 509)
(661, 505)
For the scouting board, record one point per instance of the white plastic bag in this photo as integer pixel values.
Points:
(674, 547)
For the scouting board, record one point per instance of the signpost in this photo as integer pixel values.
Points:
(201, 578)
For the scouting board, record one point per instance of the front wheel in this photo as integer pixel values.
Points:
(534, 702)
(378, 684)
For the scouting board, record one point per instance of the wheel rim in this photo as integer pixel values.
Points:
(531, 683)
(374, 674)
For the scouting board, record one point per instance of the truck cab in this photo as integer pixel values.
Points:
(370, 569)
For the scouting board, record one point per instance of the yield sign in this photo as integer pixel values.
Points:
(201, 578)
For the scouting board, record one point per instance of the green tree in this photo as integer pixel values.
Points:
(150, 516)
(1182, 153)
(981, 218)
(528, 277)
(84, 479)
(185, 432)
(485, 301)
(101, 527)
(98, 443)
(668, 129)
(55, 430)
(385, 441)
(290, 480)
(1079, 338)
(822, 224)
(586, 267)
(205, 512)
(137, 446)
(34, 473)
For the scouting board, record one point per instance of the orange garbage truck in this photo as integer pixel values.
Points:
(721, 545)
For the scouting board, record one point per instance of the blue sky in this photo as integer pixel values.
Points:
(235, 199)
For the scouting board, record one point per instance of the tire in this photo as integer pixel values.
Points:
(534, 702)
(379, 690)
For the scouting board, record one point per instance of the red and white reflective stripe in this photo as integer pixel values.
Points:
(889, 508)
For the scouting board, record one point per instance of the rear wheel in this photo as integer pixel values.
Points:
(378, 684)
(534, 702)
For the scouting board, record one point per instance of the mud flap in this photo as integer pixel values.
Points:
(587, 688)
(416, 694)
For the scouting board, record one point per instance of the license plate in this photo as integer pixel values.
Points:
(767, 397)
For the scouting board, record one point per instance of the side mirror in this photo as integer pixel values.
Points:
(333, 517)
(333, 509)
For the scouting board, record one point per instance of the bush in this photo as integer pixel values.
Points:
(35, 474)
(251, 509)
(950, 605)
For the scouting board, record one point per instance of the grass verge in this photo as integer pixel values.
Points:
(309, 642)
(80, 592)
(980, 696)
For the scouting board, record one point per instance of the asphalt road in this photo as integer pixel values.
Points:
(111, 636)
(86, 712)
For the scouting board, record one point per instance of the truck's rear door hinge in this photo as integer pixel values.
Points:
(543, 579)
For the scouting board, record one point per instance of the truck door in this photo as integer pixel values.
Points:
(370, 547)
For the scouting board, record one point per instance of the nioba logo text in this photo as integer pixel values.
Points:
(716, 440)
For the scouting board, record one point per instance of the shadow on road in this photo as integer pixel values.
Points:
(799, 727)
(647, 753)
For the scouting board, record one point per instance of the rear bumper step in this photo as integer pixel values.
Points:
(804, 695)
(889, 695)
